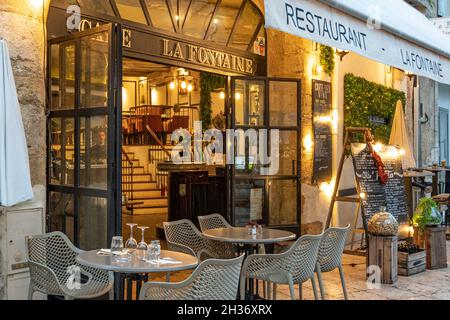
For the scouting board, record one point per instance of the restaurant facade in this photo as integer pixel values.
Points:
(77, 64)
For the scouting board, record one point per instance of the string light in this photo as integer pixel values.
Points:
(308, 143)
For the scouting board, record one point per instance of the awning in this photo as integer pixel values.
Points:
(15, 182)
(390, 32)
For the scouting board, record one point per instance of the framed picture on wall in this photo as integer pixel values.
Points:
(143, 92)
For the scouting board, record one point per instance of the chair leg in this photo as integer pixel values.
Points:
(30, 293)
(313, 284)
(344, 289)
(319, 278)
(268, 287)
(111, 294)
(291, 288)
(242, 284)
(300, 290)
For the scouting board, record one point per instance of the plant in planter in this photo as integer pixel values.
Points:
(426, 214)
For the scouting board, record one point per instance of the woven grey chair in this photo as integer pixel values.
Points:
(212, 221)
(183, 236)
(213, 279)
(53, 268)
(330, 255)
(296, 265)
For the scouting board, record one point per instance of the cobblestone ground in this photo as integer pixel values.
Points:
(428, 285)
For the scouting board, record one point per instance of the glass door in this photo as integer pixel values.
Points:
(265, 179)
(84, 142)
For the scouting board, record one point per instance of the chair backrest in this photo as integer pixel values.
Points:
(212, 221)
(53, 250)
(301, 258)
(183, 232)
(331, 248)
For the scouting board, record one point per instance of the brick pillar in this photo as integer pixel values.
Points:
(22, 26)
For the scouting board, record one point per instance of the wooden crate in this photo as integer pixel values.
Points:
(409, 264)
(383, 253)
(436, 247)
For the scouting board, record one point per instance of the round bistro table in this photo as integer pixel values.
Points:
(135, 269)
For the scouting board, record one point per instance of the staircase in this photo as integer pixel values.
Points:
(142, 190)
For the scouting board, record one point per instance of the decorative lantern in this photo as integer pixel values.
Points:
(383, 224)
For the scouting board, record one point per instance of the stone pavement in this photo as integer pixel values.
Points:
(428, 285)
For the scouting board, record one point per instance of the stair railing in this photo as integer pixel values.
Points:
(127, 181)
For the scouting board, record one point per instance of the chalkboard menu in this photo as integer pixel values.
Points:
(391, 195)
(323, 156)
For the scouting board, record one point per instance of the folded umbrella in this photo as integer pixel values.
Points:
(15, 181)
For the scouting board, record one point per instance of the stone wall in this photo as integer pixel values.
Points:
(23, 29)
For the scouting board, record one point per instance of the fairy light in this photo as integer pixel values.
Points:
(308, 143)
(378, 147)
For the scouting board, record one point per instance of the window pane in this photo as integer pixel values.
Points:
(98, 6)
(283, 103)
(246, 27)
(131, 10)
(94, 71)
(182, 10)
(61, 213)
(248, 201)
(249, 102)
(160, 15)
(223, 22)
(63, 76)
(283, 202)
(93, 223)
(288, 153)
(198, 18)
(94, 152)
(62, 151)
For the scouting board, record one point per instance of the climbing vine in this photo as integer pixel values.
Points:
(364, 100)
(327, 59)
(208, 83)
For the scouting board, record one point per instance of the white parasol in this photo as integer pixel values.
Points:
(399, 137)
(15, 182)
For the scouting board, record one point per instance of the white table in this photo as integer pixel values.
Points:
(240, 235)
(135, 269)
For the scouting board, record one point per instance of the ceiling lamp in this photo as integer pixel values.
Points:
(183, 85)
(172, 85)
(190, 87)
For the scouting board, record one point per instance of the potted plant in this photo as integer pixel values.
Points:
(425, 215)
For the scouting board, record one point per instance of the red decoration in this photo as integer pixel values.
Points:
(382, 174)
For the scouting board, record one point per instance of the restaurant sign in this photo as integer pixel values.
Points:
(86, 24)
(321, 23)
(208, 57)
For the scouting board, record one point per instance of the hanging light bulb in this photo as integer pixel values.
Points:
(222, 95)
(172, 85)
(183, 85)
(238, 96)
(190, 87)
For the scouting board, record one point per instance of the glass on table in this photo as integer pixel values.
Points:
(142, 246)
(117, 250)
(154, 250)
(131, 242)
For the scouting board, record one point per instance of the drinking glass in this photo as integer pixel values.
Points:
(142, 246)
(155, 250)
(131, 242)
(116, 244)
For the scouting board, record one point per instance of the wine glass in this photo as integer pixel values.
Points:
(131, 242)
(142, 246)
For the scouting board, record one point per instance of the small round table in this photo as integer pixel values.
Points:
(135, 267)
(240, 235)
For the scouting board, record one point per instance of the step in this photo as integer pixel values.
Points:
(150, 210)
(150, 193)
(144, 185)
(138, 177)
(136, 170)
(156, 202)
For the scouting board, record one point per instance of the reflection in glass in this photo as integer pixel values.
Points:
(248, 201)
(198, 18)
(61, 213)
(246, 27)
(62, 151)
(159, 14)
(94, 152)
(223, 22)
(63, 76)
(283, 202)
(283, 103)
(93, 223)
(98, 6)
(249, 103)
(94, 71)
(288, 153)
(131, 10)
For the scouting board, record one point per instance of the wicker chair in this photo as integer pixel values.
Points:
(293, 266)
(213, 279)
(212, 221)
(330, 255)
(52, 263)
(183, 236)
